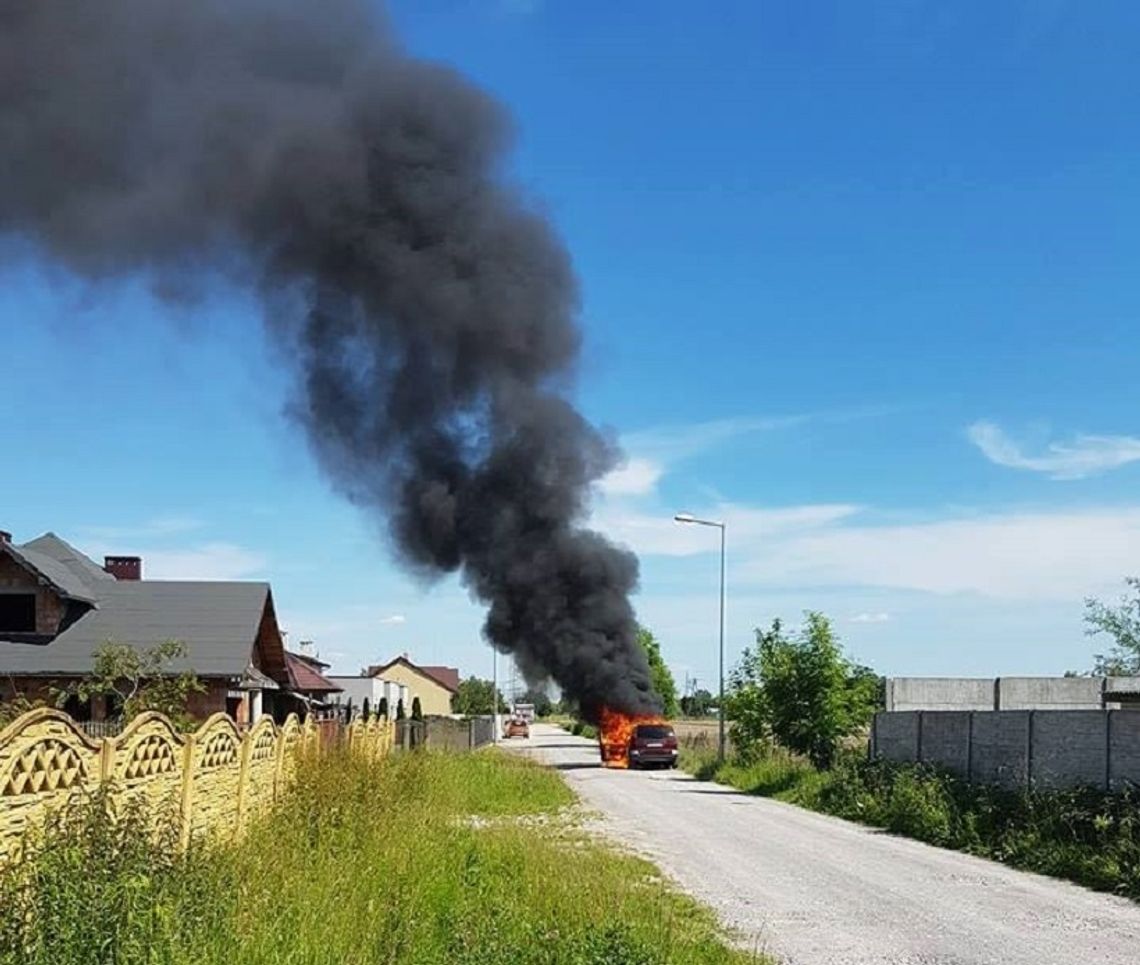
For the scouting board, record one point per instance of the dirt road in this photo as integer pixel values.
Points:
(814, 890)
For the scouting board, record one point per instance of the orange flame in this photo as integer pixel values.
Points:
(615, 730)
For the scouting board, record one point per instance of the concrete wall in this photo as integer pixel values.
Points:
(940, 693)
(1050, 693)
(1017, 748)
(1010, 693)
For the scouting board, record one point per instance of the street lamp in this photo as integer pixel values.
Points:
(690, 518)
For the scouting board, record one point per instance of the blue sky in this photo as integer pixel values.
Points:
(858, 278)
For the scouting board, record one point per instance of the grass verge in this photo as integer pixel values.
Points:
(426, 858)
(1082, 835)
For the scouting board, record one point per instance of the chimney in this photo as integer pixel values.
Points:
(5, 536)
(123, 567)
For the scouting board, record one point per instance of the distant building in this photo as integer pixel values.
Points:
(400, 679)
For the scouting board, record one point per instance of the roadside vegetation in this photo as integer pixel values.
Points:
(425, 858)
(1083, 835)
(800, 708)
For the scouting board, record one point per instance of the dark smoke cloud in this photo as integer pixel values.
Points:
(293, 145)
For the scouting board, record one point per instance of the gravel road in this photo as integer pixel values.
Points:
(814, 890)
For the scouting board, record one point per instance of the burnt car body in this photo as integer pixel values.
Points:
(653, 745)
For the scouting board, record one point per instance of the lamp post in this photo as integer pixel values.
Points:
(494, 695)
(690, 518)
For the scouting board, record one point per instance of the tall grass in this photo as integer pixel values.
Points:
(1083, 835)
(426, 858)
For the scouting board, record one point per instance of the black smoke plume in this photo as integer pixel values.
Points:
(294, 145)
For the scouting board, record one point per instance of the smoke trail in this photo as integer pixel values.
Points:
(295, 146)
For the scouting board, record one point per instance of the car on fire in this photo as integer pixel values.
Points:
(516, 727)
(653, 745)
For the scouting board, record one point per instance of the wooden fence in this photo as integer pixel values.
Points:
(216, 778)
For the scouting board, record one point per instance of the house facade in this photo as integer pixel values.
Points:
(434, 685)
(58, 607)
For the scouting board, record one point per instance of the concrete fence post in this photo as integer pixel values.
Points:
(1029, 750)
(106, 759)
(1108, 717)
(187, 802)
(243, 778)
(970, 747)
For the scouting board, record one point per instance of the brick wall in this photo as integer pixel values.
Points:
(49, 607)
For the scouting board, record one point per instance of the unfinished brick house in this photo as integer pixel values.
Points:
(57, 607)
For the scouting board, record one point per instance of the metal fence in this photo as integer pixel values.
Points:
(102, 728)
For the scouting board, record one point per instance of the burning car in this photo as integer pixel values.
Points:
(629, 741)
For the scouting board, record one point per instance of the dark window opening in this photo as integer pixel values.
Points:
(653, 732)
(18, 612)
(77, 709)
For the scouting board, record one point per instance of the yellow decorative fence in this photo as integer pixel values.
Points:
(216, 778)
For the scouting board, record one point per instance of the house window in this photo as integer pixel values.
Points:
(17, 613)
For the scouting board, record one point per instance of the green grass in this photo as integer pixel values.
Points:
(1083, 835)
(426, 858)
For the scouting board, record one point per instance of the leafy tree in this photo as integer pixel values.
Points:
(382, 708)
(476, 696)
(348, 711)
(16, 706)
(660, 677)
(364, 708)
(543, 707)
(417, 709)
(1122, 624)
(802, 691)
(400, 715)
(698, 704)
(139, 680)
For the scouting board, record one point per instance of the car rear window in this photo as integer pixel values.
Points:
(654, 732)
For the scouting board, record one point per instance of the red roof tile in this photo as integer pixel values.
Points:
(448, 676)
(304, 678)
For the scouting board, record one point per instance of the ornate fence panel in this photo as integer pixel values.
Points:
(215, 777)
(44, 760)
(213, 781)
(147, 762)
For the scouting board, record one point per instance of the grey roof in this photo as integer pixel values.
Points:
(61, 576)
(217, 621)
(254, 679)
(85, 568)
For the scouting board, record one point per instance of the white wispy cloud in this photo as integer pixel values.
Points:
(635, 477)
(395, 620)
(871, 618)
(206, 561)
(1083, 456)
(657, 534)
(651, 453)
(159, 526)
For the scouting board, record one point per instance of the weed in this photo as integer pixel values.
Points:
(424, 858)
